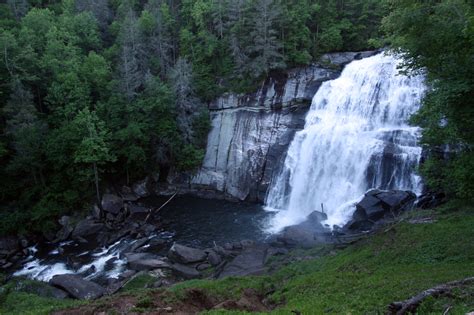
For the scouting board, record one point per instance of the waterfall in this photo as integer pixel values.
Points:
(356, 137)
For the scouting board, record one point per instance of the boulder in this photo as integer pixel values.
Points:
(275, 251)
(38, 288)
(306, 234)
(127, 194)
(9, 243)
(144, 262)
(250, 261)
(214, 258)
(185, 271)
(343, 58)
(137, 212)
(86, 228)
(77, 287)
(430, 200)
(378, 205)
(140, 188)
(358, 225)
(294, 235)
(316, 217)
(64, 220)
(64, 233)
(186, 255)
(112, 203)
(397, 200)
(203, 266)
(370, 207)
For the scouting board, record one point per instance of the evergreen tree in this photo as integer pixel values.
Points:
(187, 104)
(265, 50)
(132, 62)
(27, 132)
(19, 8)
(156, 23)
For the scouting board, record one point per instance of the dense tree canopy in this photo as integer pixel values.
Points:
(437, 37)
(94, 91)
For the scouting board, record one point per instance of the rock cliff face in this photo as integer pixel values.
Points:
(251, 132)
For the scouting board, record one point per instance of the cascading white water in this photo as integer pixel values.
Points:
(356, 137)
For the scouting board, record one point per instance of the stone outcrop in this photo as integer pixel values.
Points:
(306, 234)
(77, 287)
(183, 254)
(378, 205)
(250, 133)
(12, 250)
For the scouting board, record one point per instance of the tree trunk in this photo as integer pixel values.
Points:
(96, 175)
(411, 305)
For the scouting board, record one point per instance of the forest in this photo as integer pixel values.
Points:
(97, 91)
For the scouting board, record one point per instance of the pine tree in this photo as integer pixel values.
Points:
(187, 104)
(27, 132)
(218, 15)
(265, 50)
(100, 10)
(155, 22)
(236, 26)
(19, 8)
(132, 65)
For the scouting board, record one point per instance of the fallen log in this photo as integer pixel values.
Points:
(151, 211)
(410, 305)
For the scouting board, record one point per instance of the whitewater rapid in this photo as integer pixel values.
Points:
(356, 137)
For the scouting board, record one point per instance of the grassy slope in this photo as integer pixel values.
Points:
(362, 279)
(366, 277)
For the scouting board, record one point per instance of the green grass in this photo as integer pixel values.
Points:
(393, 265)
(364, 278)
(139, 282)
(18, 297)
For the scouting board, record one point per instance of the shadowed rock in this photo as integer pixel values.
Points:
(186, 255)
(251, 261)
(377, 205)
(87, 227)
(144, 261)
(77, 287)
(185, 271)
(112, 203)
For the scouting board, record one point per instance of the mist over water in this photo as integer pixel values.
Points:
(356, 137)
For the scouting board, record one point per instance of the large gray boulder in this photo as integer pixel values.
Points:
(377, 205)
(144, 262)
(9, 243)
(86, 228)
(185, 272)
(112, 203)
(343, 58)
(306, 234)
(77, 287)
(251, 261)
(39, 288)
(186, 255)
(140, 188)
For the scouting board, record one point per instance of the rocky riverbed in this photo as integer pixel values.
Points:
(192, 238)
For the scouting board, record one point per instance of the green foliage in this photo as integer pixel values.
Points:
(139, 282)
(95, 91)
(82, 104)
(437, 37)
